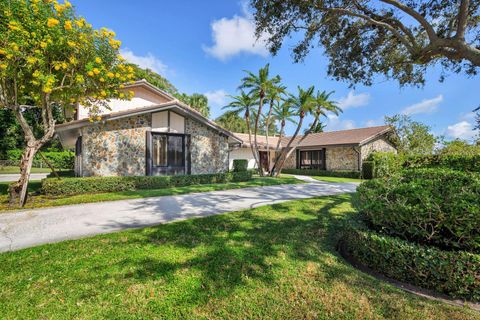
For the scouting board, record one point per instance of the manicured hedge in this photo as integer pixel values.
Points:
(240, 165)
(324, 173)
(456, 273)
(64, 173)
(438, 207)
(59, 160)
(382, 164)
(71, 186)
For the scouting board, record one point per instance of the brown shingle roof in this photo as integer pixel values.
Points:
(343, 137)
(261, 140)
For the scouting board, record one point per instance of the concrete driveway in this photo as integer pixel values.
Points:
(14, 177)
(33, 227)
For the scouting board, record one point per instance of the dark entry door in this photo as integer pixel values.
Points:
(168, 154)
(264, 160)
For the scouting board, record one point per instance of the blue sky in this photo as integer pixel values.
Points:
(204, 46)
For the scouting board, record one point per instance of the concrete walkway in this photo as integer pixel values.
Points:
(33, 227)
(10, 177)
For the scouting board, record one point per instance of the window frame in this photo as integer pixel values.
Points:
(168, 135)
(310, 158)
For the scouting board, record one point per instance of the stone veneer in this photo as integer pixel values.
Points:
(208, 148)
(341, 158)
(376, 145)
(115, 148)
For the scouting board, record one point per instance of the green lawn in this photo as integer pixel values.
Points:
(15, 169)
(336, 179)
(272, 262)
(38, 201)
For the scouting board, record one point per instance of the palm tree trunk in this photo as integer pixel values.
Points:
(283, 155)
(247, 119)
(277, 153)
(259, 113)
(266, 134)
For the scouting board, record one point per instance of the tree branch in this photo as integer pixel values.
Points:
(462, 19)
(432, 35)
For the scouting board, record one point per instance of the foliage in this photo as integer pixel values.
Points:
(323, 173)
(460, 147)
(58, 159)
(71, 186)
(232, 122)
(154, 79)
(454, 273)
(197, 101)
(320, 127)
(411, 137)
(397, 39)
(240, 165)
(438, 207)
(382, 164)
(367, 169)
(51, 57)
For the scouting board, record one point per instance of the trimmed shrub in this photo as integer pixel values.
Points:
(324, 173)
(454, 273)
(367, 169)
(65, 173)
(385, 163)
(72, 186)
(58, 159)
(240, 165)
(438, 207)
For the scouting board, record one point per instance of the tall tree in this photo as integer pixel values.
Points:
(231, 121)
(412, 137)
(155, 79)
(259, 85)
(50, 57)
(199, 102)
(245, 103)
(320, 127)
(274, 95)
(282, 112)
(399, 39)
(460, 147)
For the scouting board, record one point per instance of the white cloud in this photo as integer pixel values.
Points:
(374, 122)
(217, 97)
(461, 130)
(425, 106)
(234, 36)
(148, 61)
(353, 100)
(334, 123)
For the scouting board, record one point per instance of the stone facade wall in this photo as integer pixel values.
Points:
(208, 149)
(341, 158)
(116, 148)
(377, 145)
(291, 162)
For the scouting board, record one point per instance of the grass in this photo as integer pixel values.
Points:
(336, 179)
(15, 169)
(40, 201)
(273, 262)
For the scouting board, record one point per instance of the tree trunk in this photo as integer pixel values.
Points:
(266, 134)
(247, 119)
(18, 190)
(277, 149)
(283, 156)
(259, 113)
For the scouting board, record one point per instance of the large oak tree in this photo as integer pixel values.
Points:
(397, 38)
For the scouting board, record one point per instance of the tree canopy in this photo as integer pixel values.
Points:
(412, 137)
(399, 39)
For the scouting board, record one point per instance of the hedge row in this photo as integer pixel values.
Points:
(240, 165)
(59, 160)
(324, 173)
(72, 186)
(438, 207)
(381, 164)
(453, 273)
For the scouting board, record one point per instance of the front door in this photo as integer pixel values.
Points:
(264, 160)
(168, 154)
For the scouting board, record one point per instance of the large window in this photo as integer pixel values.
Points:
(168, 150)
(312, 159)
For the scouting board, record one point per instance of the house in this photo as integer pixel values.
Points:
(152, 134)
(334, 150)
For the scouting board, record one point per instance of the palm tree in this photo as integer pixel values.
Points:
(199, 102)
(304, 103)
(319, 105)
(283, 113)
(245, 103)
(274, 95)
(259, 85)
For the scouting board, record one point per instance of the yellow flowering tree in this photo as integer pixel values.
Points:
(51, 57)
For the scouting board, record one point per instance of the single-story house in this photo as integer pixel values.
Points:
(333, 150)
(152, 134)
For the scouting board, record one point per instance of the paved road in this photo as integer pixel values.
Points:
(14, 177)
(33, 227)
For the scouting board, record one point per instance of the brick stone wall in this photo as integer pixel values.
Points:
(341, 158)
(115, 148)
(291, 162)
(377, 145)
(208, 149)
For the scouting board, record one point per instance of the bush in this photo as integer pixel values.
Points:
(454, 273)
(58, 159)
(367, 169)
(72, 186)
(384, 163)
(324, 173)
(438, 207)
(65, 173)
(240, 165)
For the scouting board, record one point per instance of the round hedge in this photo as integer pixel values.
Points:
(438, 207)
(455, 273)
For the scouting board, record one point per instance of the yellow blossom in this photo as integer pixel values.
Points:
(72, 60)
(102, 80)
(31, 60)
(2, 52)
(110, 75)
(67, 4)
(43, 45)
(122, 95)
(13, 25)
(103, 93)
(99, 118)
(64, 65)
(47, 89)
(52, 22)
(80, 23)
(90, 73)
(3, 66)
(68, 25)
(57, 67)
(96, 71)
(98, 60)
(71, 43)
